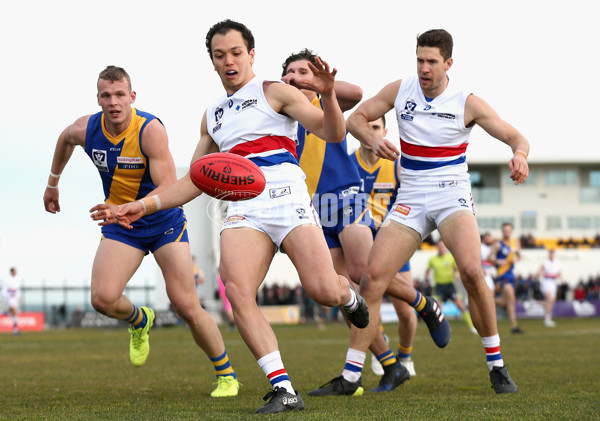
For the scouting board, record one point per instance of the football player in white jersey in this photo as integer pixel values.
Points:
(488, 268)
(259, 118)
(11, 292)
(434, 121)
(550, 273)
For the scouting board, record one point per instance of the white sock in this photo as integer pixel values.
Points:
(352, 305)
(272, 366)
(355, 360)
(491, 344)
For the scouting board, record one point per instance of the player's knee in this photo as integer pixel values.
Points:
(102, 305)
(238, 294)
(470, 276)
(185, 309)
(326, 293)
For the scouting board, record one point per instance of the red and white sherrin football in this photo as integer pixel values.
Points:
(227, 176)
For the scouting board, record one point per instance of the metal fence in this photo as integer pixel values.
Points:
(57, 302)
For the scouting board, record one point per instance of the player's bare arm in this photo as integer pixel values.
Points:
(371, 110)
(70, 137)
(477, 111)
(328, 124)
(206, 144)
(177, 194)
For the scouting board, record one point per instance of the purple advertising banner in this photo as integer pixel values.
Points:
(535, 309)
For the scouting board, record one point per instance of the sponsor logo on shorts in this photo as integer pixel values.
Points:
(349, 191)
(100, 159)
(348, 211)
(463, 202)
(279, 191)
(302, 213)
(451, 183)
(234, 219)
(130, 163)
(169, 231)
(403, 209)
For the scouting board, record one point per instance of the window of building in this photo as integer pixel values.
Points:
(583, 222)
(493, 222)
(590, 195)
(561, 177)
(590, 181)
(485, 184)
(529, 220)
(553, 223)
(594, 178)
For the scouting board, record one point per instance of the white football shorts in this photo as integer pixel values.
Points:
(284, 205)
(549, 287)
(423, 208)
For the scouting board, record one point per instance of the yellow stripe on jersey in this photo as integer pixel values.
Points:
(383, 187)
(313, 155)
(510, 257)
(126, 182)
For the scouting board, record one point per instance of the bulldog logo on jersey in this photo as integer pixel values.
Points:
(409, 109)
(100, 159)
(218, 116)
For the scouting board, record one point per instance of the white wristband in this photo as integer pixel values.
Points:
(52, 187)
(151, 204)
(54, 175)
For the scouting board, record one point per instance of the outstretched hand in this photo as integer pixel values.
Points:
(321, 80)
(519, 169)
(129, 213)
(105, 212)
(383, 148)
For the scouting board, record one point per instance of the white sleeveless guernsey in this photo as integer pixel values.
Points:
(433, 136)
(245, 124)
(551, 270)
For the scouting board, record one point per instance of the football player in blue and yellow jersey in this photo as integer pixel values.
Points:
(130, 151)
(504, 254)
(334, 185)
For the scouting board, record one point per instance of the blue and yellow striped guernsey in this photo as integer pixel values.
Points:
(506, 252)
(122, 164)
(327, 165)
(380, 182)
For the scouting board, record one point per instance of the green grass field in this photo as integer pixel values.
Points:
(86, 375)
